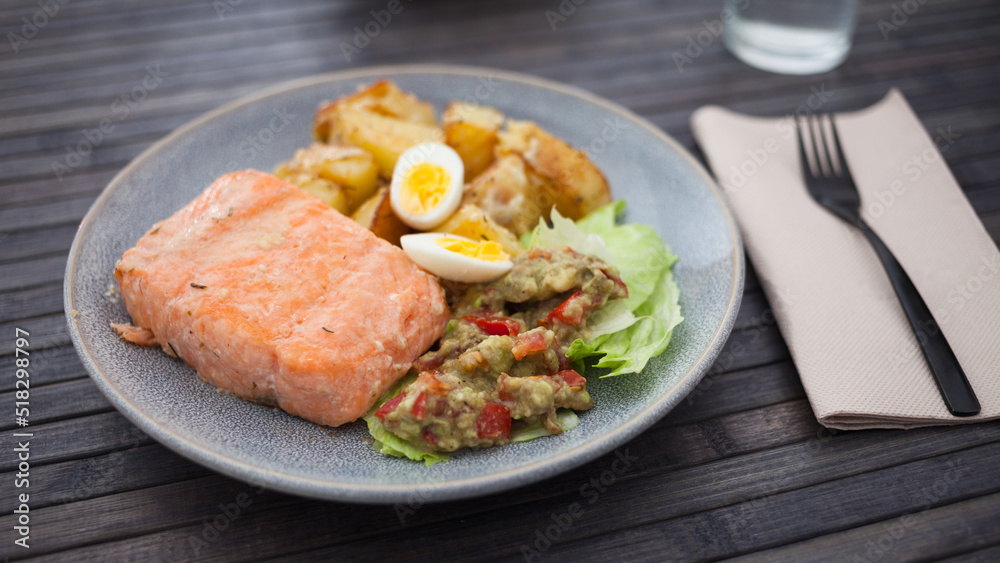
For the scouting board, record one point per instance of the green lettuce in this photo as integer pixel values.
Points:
(626, 333)
(388, 443)
(566, 418)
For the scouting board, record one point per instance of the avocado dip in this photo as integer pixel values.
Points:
(502, 359)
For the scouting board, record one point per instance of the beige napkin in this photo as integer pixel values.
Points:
(860, 362)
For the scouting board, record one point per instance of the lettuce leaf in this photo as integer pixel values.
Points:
(629, 350)
(564, 232)
(566, 418)
(388, 443)
(625, 337)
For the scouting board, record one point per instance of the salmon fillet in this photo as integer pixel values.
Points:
(269, 293)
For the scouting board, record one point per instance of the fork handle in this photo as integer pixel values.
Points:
(948, 374)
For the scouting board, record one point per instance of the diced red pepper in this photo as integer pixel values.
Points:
(566, 313)
(571, 378)
(430, 436)
(536, 253)
(419, 408)
(429, 381)
(389, 406)
(527, 343)
(493, 421)
(494, 325)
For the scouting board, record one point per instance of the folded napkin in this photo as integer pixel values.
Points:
(858, 358)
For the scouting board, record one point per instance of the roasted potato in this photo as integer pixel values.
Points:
(507, 195)
(563, 176)
(383, 98)
(471, 130)
(471, 222)
(376, 215)
(333, 195)
(326, 170)
(385, 137)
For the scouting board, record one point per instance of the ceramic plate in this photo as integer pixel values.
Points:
(661, 183)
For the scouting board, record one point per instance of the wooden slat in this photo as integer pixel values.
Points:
(30, 244)
(750, 348)
(39, 300)
(59, 401)
(83, 183)
(137, 467)
(107, 432)
(985, 200)
(29, 273)
(985, 555)
(745, 527)
(924, 535)
(992, 223)
(754, 311)
(50, 365)
(29, 217)
(753, 388)
(53, 142)
(47, 331)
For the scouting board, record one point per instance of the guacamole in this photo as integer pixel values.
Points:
(502, 360)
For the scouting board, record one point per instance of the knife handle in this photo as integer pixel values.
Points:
(951, 381)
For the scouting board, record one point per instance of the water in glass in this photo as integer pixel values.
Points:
(790, 36)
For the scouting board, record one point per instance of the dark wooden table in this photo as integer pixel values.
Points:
(740, 468)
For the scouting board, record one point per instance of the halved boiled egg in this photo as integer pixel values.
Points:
(427, 185)
(457, 258)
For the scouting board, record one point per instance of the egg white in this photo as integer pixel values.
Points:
(423, 249)
(434, 153)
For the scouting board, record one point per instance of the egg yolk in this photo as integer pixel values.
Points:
(424, 186)
(487, 251)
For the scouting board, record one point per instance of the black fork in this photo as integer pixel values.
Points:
(830, 184)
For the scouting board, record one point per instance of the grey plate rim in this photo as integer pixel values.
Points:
(388, 493)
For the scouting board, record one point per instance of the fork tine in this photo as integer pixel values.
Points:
(836, 151)
(802, 128)
(819, 146)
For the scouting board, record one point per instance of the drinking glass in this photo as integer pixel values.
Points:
(790, 36)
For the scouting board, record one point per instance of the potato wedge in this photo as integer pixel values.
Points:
(376, 215)
(383, 98)
(471, 130)
(471, 222)
(508, 195)
(351, 168)
(384, 137)
(566, 177)
(332, 194)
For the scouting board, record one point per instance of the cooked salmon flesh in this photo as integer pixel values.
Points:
(269, 293)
